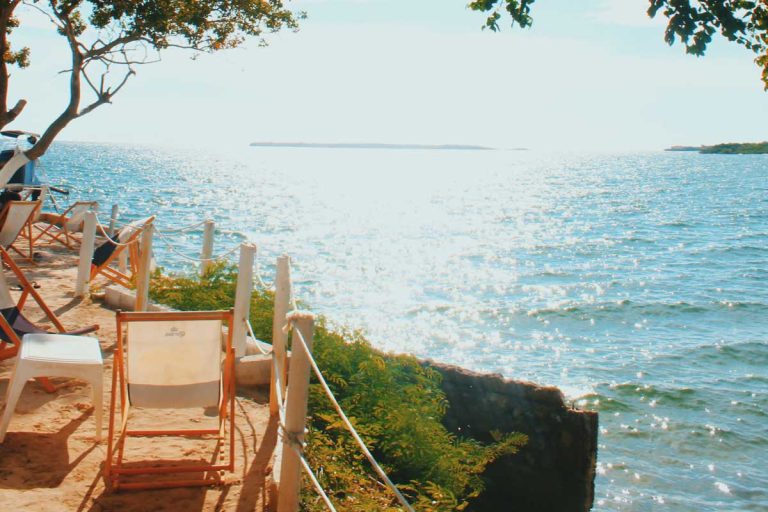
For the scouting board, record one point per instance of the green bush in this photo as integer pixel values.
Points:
(395, 403)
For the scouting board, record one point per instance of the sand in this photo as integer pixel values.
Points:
(49, 460)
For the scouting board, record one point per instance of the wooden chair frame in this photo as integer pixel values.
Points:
(7, 352)
(113, 468)
(56, 228)
(132, 244)
(26, 230)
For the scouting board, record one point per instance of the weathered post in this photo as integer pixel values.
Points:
(122, 262)
(295, 412)
(145, 261)
(113, 220)
(279, 336)
(243, 297)
(86, 255)
(205, 255)
(43, 196)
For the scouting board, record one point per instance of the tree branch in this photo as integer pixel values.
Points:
(108, 47)
(105, 96)
(16, 110)
(71, 111)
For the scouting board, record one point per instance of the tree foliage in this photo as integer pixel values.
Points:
(693, 23)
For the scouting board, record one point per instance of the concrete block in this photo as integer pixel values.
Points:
(118, 297)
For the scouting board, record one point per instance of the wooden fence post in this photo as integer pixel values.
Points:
(113, 220)
(122, 262)
(86, 255)
(295, 413)
(145, 261)
(208, 229)
(279, 336)
(243, 297)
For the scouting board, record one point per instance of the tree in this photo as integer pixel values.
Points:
(108, 39)
(691, 22)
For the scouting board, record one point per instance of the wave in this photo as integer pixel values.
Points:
(684, 397)
(657, 309)
(676, 224)
(600, 402)
(751, 352)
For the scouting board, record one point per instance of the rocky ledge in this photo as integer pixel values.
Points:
(555, 471)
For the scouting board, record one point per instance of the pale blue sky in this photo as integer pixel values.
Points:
(589, 74)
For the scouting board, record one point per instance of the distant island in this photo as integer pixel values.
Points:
(731, 148)
(368, 145)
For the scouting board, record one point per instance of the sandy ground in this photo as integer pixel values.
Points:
(49, 460)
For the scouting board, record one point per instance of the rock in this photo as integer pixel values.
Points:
(555, 471)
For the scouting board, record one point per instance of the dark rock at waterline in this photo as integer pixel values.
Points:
(555, 471)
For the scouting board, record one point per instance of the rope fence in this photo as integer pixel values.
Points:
(183, 228)
(285, 318)
(379, 471)
(195, 259)
(263, 351)
(313, 479)
(104, 233)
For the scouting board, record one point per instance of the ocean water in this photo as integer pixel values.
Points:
(634, 282)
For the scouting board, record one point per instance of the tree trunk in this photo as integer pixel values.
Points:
(71, 112)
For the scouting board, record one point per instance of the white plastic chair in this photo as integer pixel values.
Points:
(56, 355)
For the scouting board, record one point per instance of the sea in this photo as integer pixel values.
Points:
(635, 282)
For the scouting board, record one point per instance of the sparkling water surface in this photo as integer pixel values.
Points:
(634, 282)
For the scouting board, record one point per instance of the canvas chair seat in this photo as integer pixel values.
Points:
(174, 364)
(16, 220)
(171, 360)
(62, 228)
(111, 249)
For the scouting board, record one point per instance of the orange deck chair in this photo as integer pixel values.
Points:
(62, 227)
(13, 324)
(16, 221)
(171, 360)
(106, 253)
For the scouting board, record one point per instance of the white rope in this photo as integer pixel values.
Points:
(104, 233)
(256, 341)
(278, 390)
(312, 478)
(231, 232)
(349, 425)
(183, 228)
(260, 280)
(196, 259)
(293, 442)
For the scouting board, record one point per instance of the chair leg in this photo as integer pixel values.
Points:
(97, 385)
(18, 380)
(47, 385)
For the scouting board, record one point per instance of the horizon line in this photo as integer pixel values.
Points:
(371, 145)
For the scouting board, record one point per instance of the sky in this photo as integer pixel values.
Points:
(589, 74)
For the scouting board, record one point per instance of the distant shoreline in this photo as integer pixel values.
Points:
(731, 148)
(369, 145)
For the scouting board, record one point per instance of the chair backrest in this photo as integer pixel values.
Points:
(174, 359)
(108, 251)
(77, 214)
(133, 229)
(15, 214)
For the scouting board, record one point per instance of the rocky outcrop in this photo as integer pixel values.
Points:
(555, 471)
